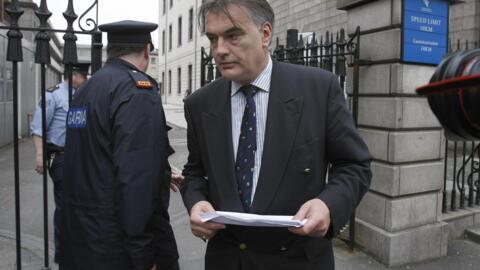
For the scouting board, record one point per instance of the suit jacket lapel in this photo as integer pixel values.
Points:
(218, 134)
(284, 111)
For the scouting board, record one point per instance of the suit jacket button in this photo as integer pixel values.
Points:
(283, 249)
(242, 246)
(306, 170)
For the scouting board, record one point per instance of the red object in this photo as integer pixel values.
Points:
(449, 85)
(454, 95)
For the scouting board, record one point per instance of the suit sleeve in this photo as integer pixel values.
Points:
(138, 152)
(349, 176)
(194, 188)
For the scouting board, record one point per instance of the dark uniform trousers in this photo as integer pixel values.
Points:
(56, 173)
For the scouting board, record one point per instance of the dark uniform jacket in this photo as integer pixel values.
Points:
(308, 127)
(117, 175)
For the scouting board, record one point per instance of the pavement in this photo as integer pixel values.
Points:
(462, 254)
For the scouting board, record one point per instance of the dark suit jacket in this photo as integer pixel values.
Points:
(308, 127)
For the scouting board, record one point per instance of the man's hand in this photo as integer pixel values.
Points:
(176, 180)
(39, 163)
(318, 219)
(203, 230)
(38, 144)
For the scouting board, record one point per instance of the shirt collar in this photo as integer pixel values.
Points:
(262, 81)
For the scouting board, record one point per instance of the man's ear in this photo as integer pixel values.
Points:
(146, 51)
(267, 32)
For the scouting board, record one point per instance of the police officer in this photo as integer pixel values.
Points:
(116, 196)
(56, 100)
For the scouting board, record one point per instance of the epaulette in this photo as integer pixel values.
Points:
(141, 80)
(53, 88)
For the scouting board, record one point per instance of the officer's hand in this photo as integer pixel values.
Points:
(176, 180)
(39, 164)
(154, 267)
(318, 219)
(203, 230)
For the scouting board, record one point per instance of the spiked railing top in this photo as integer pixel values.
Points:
(14, 50)
(70, 15)
(14, 11)
(42, 52)
(314, 42)
(43, 14)
(70, 47)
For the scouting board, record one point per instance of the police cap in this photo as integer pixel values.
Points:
(81, 67)
(129, 32)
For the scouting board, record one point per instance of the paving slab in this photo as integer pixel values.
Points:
(473, 234)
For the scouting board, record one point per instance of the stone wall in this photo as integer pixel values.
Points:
(464, 23)
(399, 219)
(323, 15)
(306, 16)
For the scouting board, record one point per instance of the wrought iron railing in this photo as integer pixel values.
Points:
(461, 183)
(42, 57)
(461, 187)
(332, 52)
(208, 69)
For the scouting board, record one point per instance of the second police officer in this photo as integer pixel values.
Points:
(116, 163)
(56, 101)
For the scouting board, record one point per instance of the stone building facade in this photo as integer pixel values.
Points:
(180, 44)
(153, 66)
(180, 40)
(464, 21)
(307, 16)
(320, 16)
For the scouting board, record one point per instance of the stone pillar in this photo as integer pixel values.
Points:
(464, 23)
(398, 221)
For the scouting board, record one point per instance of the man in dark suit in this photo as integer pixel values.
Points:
(260, 140)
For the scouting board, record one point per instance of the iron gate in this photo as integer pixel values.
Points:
(333, 52)
(461, 182)
(42, 57)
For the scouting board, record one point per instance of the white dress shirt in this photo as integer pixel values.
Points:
(238, 102)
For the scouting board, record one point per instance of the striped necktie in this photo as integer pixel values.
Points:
(247, 146)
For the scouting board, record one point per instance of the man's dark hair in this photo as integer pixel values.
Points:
(117, 50)
(260, 11)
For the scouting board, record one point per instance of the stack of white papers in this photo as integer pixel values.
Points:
(244, 219)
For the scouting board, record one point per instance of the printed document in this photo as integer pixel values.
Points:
(244, 219)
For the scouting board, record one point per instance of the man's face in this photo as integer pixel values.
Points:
(239, 48)
(78, 80)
